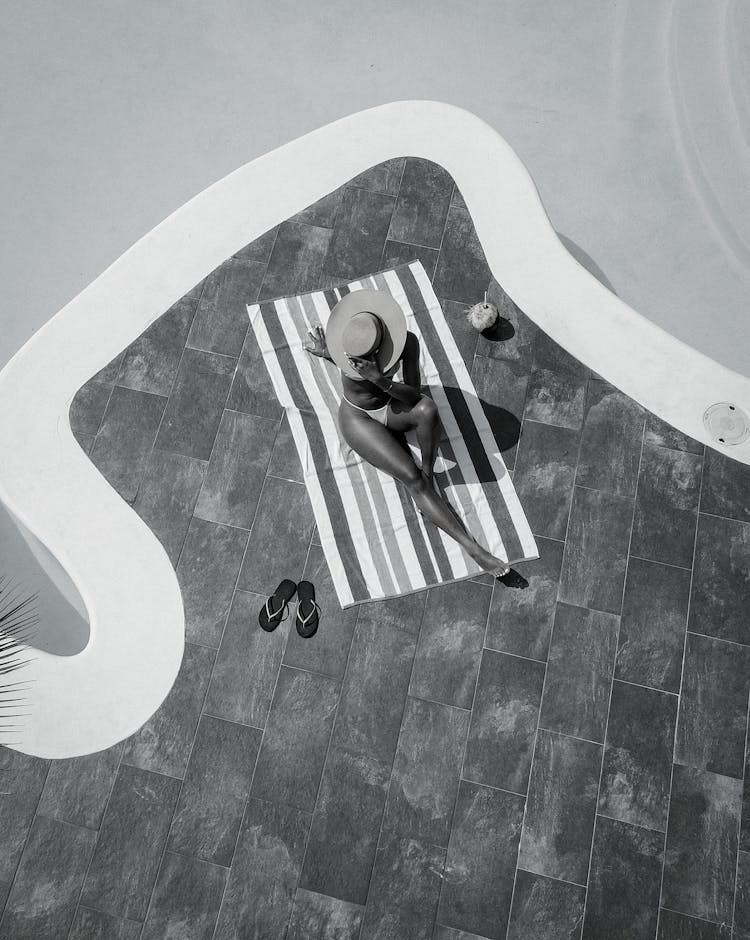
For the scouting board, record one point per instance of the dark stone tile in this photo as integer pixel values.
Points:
(260, 248)
(555, 398)
(550, 355)
(126, 437)
(87, 409)
(296, 262)
(426, 770)
(191, 418)
(520, 622)
(323, 212)
(93, 925)
(516, 334)
(150, 362)
(247, 664)
(221, 320)
(457, 199)
(560, 809)
(346, 825)
(726, 487)
(319, 917)
(405, 889)
(207, 572)
(77, 789)
(701, 851)
(742, 898)
(21, 782)
(652, 627)
(356, 248)
(236, 470)
(450, 643)
(84, 441)
(449, 933)
(638, 756)
(481, 861)
(216, 786)
(462, 273)
(285, 461)
(265, 871)
(720, 595)
(396, 252)
(107, 375)
(280, 537)
(352, 796)
(545, 909)
(623, 896)
(712, 723)
(579, 672)
(383, 178)
(328, 651)
(544, 475)
(422, 204)
(373, 695)
(593, 570)
(666, 509)
(167, 496)
(501, 387)
(163, 744)
(296, 739)
(463, 332)
(664, 435)
(674, 926)
(42, 900)
(186, 899)
(504, 722)
(610, 441)
(131, 840)
(252, 390)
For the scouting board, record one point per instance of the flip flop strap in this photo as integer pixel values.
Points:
(272, 616)
(303, 620)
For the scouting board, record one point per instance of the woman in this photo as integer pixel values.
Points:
(375, 408)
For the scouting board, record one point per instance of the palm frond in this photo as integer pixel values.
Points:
(18, 622)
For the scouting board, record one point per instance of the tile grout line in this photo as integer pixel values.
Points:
(323, 767)
(262, 730)
(612, 678)
(465, 748)
(393, 760)
(679, 695)
(739, 835)
(115, 775)
(177, 801)
(328, 745)
(549, 643)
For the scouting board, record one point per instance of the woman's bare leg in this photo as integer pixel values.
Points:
(422, 417)
(377, 445)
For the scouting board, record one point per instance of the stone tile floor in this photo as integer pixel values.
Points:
(471, 762)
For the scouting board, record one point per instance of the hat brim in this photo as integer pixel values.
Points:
(386, 309)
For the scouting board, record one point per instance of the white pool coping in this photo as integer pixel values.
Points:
(89, 701)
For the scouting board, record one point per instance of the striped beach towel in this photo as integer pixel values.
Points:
(375, 542)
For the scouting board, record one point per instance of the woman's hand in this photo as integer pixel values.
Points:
(367, 368)
(318, 346)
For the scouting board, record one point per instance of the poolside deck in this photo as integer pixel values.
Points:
(469, 762)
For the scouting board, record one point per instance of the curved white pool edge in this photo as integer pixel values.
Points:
(89, 701)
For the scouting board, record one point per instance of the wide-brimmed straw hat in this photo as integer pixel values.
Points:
(365, 322)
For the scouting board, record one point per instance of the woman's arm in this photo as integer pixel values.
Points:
(410, 361)
(368, 369)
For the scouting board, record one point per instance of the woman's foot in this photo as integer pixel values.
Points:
(489, 562)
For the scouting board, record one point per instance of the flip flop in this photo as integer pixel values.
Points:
(270, 615)
(306, 623)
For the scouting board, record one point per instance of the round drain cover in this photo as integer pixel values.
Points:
(727, 423)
